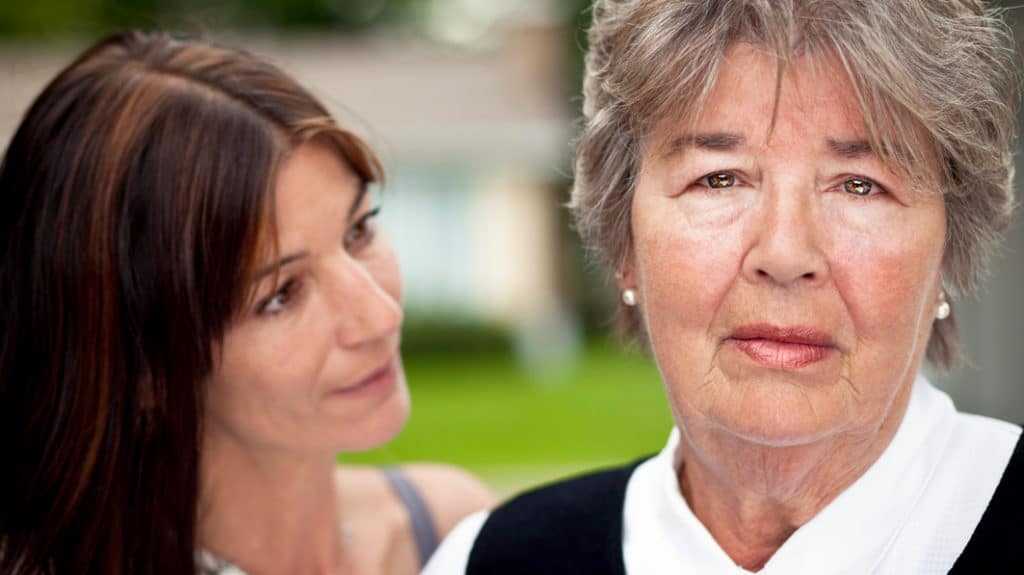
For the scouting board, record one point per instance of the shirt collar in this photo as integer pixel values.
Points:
(854, 531)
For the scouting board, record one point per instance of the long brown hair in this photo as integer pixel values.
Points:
(137, 195)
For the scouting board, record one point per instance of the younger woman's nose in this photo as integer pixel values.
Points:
(364, 310)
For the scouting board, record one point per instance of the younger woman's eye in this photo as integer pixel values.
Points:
(279, 301)
(362, 231)
(858, 186)
(720, 180)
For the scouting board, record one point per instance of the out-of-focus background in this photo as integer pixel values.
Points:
(473, 105)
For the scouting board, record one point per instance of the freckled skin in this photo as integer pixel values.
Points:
(276, 370)
(780, 241)
(786, 244)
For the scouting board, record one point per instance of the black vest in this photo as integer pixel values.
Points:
(575, 527)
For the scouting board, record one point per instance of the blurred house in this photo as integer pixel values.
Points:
(474, 123)
(474, 127)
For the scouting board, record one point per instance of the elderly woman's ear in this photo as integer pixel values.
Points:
(626, 285)
(942, 306)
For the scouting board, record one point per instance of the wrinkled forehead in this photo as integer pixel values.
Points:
(753, 91)
(757, 99)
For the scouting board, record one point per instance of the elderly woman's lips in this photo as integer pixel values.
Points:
(780, 354)
(783, 348)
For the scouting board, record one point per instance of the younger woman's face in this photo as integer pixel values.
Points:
(313, 364)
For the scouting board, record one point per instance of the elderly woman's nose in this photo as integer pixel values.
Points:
(785, 246)
(362, 309)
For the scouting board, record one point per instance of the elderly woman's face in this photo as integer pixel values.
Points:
(788, 280)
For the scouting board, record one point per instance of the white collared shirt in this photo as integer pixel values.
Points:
(912, 512)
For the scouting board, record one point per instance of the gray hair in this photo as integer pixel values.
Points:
(935, 81)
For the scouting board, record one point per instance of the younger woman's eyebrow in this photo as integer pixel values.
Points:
(271, 268)
(358, 199)
(291, 258)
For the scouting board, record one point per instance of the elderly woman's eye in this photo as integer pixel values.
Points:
(720, 180)
(858, 187)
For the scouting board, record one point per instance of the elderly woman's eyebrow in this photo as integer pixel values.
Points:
(717, 141)
(850, 149)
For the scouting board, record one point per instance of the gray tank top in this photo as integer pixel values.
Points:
(422, 523)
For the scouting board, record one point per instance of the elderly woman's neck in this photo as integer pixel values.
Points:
(752, 497)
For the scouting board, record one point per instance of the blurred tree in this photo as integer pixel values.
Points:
(56, 18)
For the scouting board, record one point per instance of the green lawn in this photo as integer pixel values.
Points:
(514, 427)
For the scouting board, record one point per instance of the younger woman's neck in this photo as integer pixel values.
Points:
(269, 511)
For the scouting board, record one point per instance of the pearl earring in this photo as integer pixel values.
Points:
(943, 311)
(629, 297)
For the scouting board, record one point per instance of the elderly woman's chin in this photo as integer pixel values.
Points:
(745, 401)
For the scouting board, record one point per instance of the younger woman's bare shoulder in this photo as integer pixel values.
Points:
(378, 522)
(451, 493)
(362, 486)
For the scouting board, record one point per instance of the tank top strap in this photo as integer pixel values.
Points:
(422, 523)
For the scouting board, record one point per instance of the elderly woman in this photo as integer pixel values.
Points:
(789, 190)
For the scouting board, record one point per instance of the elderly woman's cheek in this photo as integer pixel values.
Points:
(885, 264)
(688, 259)
(687, 252)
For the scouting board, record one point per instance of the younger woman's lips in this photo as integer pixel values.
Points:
(383, 378)
(782, 354)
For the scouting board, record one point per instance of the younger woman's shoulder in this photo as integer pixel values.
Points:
(450, 493)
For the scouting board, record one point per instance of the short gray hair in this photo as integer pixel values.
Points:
(935, 80)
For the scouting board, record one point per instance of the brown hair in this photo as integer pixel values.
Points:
(935, 81)
(138, 193)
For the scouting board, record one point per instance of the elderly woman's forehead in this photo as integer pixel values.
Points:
(807, 82)
(752, 83)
